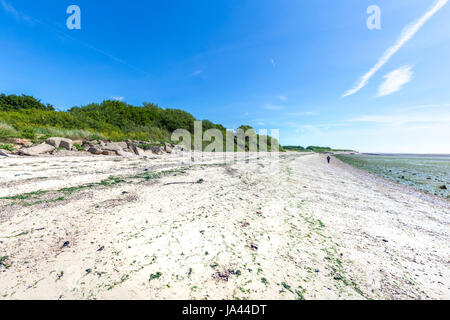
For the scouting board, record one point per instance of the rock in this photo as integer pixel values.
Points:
(66, 144)
(134, 148)
(125, 154)
(22, 142)
(78, 142)
(3, 153)
(60, 143)
(95, 150)
(64, 153)
(122, 144)
(115, 146)
(139, 151)
(108, 153)
(168, 148)
(65, 244)
(157, 150)
(37, 150)
(179, 148)
(54, 141)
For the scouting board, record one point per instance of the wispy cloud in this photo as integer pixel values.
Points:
(405, 36)
(395, 80)
(273, 107)
(117, 98)
(272, 61)
(282, 98)
(402, 119)
(196, 73)
(8, 8)
(425, 106)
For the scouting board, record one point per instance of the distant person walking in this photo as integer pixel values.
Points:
(329, 159)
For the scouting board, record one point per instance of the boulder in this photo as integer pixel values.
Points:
(108, 153)
(54, 141)
(37, 150)
(95, 150)
(179, 147)
(157, 150)
(122, 144)
(64, 153)
(78, 142)
(125, 154)
(60, 143)
(134, 148)
(66, 144)
(112, 147)
(3, 153)
(22, 142)
(168, 148)
(139, 151)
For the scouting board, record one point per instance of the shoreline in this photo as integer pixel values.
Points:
(406, 188)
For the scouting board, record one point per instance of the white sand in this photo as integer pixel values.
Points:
(311, 230)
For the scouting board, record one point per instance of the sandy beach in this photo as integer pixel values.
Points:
(106, 227)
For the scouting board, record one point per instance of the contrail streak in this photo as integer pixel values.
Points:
(405, 36)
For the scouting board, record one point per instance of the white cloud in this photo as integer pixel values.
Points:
(117, 98)
(11, 10)
(395, 80)
(425, 106)
(60, 32)
(403, 119)
(196, 73)
(273, 107)
(405, 36)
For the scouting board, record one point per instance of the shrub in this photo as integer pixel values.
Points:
(7, 131)
(25, 116)
(28, 133)
(8, 147)
(78, 147)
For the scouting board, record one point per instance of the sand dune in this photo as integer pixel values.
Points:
(161, 228)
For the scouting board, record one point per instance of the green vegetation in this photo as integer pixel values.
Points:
(295, 148)
(78, 147)
(8, 147)
(3, 262)
(314, 149)
(155, 276)
(26, 117)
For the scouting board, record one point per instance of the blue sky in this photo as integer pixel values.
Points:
(272, 64)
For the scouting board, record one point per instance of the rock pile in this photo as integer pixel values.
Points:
(64, 146)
